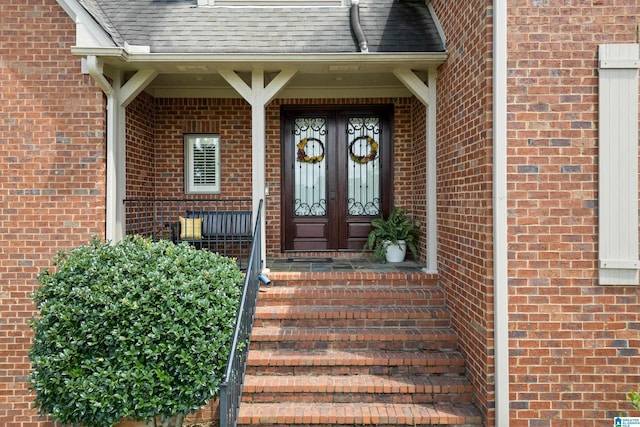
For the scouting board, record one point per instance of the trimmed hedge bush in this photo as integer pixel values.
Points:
(132, 330)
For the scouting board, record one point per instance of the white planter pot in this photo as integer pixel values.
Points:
(396, 252)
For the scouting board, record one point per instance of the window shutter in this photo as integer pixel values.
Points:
(618, 164)
(202, 163)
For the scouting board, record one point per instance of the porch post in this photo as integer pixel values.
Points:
(427, 94)
(118, 97)
(258, 96)
(114, 228)
(258, 159)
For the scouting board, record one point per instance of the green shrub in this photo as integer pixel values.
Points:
(634, 398)
(132, 330)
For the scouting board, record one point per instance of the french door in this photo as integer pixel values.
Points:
(337, 175)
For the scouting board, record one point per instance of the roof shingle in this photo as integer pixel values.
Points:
(179, 26)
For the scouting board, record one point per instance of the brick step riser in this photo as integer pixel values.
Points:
(267, 397)
(311, 306)
(358, 293)
(302, 302)
(282, 423)
(404, 345)
(278, 280)
(356, 370)
(285, 423)
(350, 420)
(356, 323)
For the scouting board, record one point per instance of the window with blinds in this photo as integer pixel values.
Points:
(202, 163)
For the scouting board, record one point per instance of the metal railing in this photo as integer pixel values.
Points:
(231, 387)
(223, 225)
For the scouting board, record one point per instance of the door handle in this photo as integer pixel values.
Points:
(333, 194)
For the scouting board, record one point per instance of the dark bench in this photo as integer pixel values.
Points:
(213, 229)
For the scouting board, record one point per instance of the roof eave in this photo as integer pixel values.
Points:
(122, 58)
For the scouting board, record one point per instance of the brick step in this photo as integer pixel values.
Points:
(335, 349)
(355, 316)
(349, 362)
(349, 279)
(358, 388)
(375, 296)
(399, 338)
(350, 414)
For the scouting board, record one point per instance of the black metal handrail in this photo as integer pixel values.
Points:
(231, 387)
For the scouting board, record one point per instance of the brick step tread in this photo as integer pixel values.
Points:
(283, 334)
(369, 384)
(352, 278)
(417, 296)
(351, 312)
(336, 357)
(354, 362)
(304, 413)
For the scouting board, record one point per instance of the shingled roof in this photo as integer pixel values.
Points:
(180, 26)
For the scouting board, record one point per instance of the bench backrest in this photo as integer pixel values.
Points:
(224, 223)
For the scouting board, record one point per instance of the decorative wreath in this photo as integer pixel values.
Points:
(302, 155)
(370, 156)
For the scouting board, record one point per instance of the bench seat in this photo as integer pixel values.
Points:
(213, 227)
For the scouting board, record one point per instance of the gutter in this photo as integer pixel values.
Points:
(500, 251)
(119, 55)
(356, 26)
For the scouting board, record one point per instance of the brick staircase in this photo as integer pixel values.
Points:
(353, 348)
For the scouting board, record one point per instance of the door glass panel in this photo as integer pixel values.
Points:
(309, 187)
(363, 151)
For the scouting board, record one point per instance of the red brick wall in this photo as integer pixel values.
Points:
(52, 185)
(574, 344)
(231, 118)
(419, 170)
(141, 153)
(464, 186)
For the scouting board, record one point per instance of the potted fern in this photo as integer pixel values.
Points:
(139, 330)
(390, 237)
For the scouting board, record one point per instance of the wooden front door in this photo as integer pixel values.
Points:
(337, 175)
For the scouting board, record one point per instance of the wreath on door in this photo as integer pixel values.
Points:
(370, 156)
(302, 154)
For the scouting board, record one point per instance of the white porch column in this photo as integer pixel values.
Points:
(427, 94)
(500, 216)
(258, 96)
(118, 97)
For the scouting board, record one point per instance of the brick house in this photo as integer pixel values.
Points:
(509, 129)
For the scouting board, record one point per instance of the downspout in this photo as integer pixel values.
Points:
(500, 248)
(356, 26)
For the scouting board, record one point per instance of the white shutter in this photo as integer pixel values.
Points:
(618, 164)
(202, 164)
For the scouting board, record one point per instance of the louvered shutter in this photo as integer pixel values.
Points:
(202, 163)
